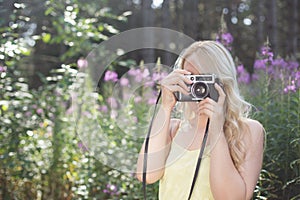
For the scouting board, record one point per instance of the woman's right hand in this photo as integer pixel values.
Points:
(174, 82)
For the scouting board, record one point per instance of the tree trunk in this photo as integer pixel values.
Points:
(148, 18)
(273, 26)
(294, 28)
(166, 23)
(191, 18)
(260, 23)
(178, 16)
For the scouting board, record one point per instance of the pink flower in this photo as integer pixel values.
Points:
(124, 81)
(146, 73)
(151, 101)
(82, 147)
(39, 111)
(259, 64)
(137, 99)
(138, 74)
(112, 102)
(290, 88)
(28, 114)
(134, 72)
(2, 69)
(243, 75)
(227, 38)
(82, 63)
(103, 109)
(149, 83)
(111, 76)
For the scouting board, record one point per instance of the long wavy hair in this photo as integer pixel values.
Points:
(213, 57)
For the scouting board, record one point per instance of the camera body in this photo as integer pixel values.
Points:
(202, 87)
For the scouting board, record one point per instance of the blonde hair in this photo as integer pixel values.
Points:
(213, 57)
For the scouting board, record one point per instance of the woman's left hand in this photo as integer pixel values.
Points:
(214, 111)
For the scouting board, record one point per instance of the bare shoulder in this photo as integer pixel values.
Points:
(256, 132)
(174, 125)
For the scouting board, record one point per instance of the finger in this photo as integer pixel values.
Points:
(177, 88)
(206, 107)
(187, 80)
(182, 84)
(206, 112)
(221, 93)
(182, 71)
(207, 101)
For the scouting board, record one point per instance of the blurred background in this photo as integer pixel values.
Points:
(53, 30)
(44, 44)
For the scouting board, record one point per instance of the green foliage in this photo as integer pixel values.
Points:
(79, 25)
(278, 109)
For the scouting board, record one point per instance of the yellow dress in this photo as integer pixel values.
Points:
(179, 173)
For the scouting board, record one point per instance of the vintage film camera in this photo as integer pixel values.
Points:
(202, 87)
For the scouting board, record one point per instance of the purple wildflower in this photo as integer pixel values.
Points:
(106, 191)
(2, 69)
(149, 83)
(254, 77)
(279, 62)
(267, 53)
(138, 74)
(112, 102)
(28, 114)
(151, 101)
(124, 81)
(135, 119)
(146, 73)
(158, 76)
(111, 76)
(39, 111)
(111, 190)
(259, 64)
(227, 38)
(293, 65)
(134, 72)
(87, 114)
(138, 78)
(82, 63)
(82, 147)
(243, 75)
(103, 108)
(137, 99)
(290, 88)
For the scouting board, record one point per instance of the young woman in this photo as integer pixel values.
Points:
(233, 154)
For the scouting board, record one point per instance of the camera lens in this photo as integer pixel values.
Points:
(200, 90)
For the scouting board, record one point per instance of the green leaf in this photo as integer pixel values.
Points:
(101, 28)
(26, 52)
(46, 37)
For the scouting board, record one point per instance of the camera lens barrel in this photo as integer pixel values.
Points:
(200, 90)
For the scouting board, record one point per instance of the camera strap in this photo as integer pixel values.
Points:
(146, 153)
(199, 159)
(147, 146)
